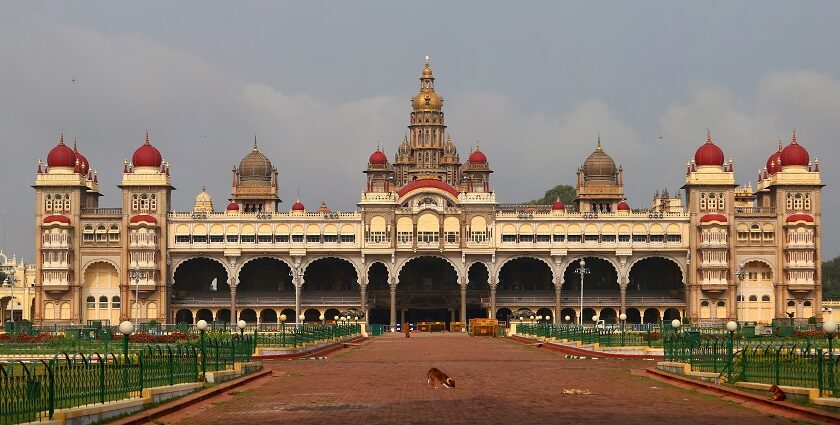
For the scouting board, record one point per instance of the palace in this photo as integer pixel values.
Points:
(429, 242)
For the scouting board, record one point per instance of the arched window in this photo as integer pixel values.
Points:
(48, 204)
(806, 304)
(740, 298)
(755, 232)
(721, 205)
(91, 302)
(753, 298)
(765, 298)
(704, 303)
(789, 202)
(721, 303)
(114, 233)
(135, 202)
(807, 202)
(115, 301)
(144, 203)
(103, 302)
(797, 202)
(702, 202)
(153, 202)
(791, 303)
(101, 233)
(87, 235)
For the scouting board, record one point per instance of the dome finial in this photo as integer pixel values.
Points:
(255, 141)
(598, 147)
(61, 138)
(780, 144)
(74, 146)
(147, 137)
(708, 136)
(793, 140)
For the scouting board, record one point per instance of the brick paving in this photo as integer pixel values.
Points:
(498, 381)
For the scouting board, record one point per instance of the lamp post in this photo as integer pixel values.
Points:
(282, 330)
(11, 279)
(126, 329)
(201, 325)
(623, 318)
(135, 276)
(582, 271)
(731, 327)
(830, 327)
(241, 324)
(740, 275)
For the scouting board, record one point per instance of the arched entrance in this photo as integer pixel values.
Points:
(268, 316)
(656, 276)
(248, 315)
(200, 278)
(378, 294)
(428, 291)
(331, 314)
(602, 279)
(756, 290)
(184, 316)
(478, 287)
(312, 316)
(634, 316)
(651, 316)
(503, 314)
(608, 315)
(264, 276)
(204, 314)
(331, 278)
(671, 314)
(570, 313)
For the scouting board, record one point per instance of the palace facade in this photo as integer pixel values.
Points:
(429, 242)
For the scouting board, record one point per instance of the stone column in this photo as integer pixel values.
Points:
(557, 309)
(492, 301)
(363, 302)
(233, 316)
(297, 303)
(623, 299)
(464, 306)
(393, 290)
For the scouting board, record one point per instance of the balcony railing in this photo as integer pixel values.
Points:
(102, 211)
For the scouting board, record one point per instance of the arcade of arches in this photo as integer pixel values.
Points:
(425, 289)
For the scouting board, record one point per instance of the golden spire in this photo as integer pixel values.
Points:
(147, 137)
(598, 147)
(427, 70)
(255, 142)
(793, 140)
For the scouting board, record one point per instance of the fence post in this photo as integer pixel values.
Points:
(102, 379)
(820, 371)
(729, 358)
(51, 389)
(777, 365)
(171, 366)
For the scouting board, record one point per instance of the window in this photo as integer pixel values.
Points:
(559, 238)
(574, 238)
(590, 238)
(743, 235)
(789, 201)
(721, 303)
(508, 238)
(114, 233)
(264, 238)
(67, 203)
(791, 303)
(115, 302)
(752, 276)
(797, 201)
(103, 302)
(543, 238)
(281, 238)
(704, 303)
(182, 238)
(330, 238)
(806, 304)
(348, 238)
(640, 238)
(313, 238)
(199, 239)
(376, 237)
(608, 238)
(624, 238)
(88, 233)
(657, 238)
(526, 238)
(153, 202)
(768, 236)
(404, 237)
(766, 275)
(91, 302)
(765, 298)
(101, 234)
(144, 202)
(807, 202)
(217, 238)
(740, 298)
(712, 202)
(721, 205)
(674, 238)
(755, 232)
(428, 237)
(232, 238)
(249, 238)
(702, 202)
(451, 237)
(297, 238)
(135, 202)
(48, 203)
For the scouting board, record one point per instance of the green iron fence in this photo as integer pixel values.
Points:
(295, 335)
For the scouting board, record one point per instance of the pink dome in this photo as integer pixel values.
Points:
(558, 205)
(298, 206)
(233, 206)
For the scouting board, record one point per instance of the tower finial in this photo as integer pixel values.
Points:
(74, 146)
(147, 136)
(255, 141)
(793, 140)
(61, 138)
(427, 60)
(598, 147)
(708, 135)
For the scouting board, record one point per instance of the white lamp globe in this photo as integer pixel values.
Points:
(676, 323)
(830, 326)
(547, 317)
(283, 317)
(356, 318)
(539, 317)
(126, 328)
(335, 318)
(241, 324)
(582, 262)
(623, 316)
(731, 326)
(200, 325)
(567, 318)
(301, 317)
(595, 318)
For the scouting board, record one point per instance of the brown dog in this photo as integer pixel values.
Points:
(778, 394)
(407, 330)
(435, 375)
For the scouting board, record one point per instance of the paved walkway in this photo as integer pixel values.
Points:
(498, 382)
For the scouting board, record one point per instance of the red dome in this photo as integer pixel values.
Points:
(56, 219)
(428, 183)
(142, 218)
(709, 153)
(623, 206)
(84, 166)
(478, 157)
(61, 155)
(297, 206)
(713, 217)
(794, 154)
(147, 155)
(558, 205)
(378, 157)
(773, 162)
(800, 217)
(233, 206)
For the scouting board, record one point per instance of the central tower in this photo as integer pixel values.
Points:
(427, 152)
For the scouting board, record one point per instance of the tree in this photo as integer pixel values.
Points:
(565, 192)
(2, 276)
(831, 279)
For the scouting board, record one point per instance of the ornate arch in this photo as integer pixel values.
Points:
(616, 266)
(664, 257)
(447, 260)
(498, 271)
(99, 260)
(178, 264)
(305, 266)
(758, 260)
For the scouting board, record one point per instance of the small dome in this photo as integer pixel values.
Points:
(61, 155)
(709, 153)
(84, 165)
(623, 206)
(794, 154)
(478, 157)
(427, 99)
(203, 196)
(378, 157)
(558, 205)
(298, 206)
(233, 206)
(255, 167)
(773, 162)
(147, 155)
(599, 166)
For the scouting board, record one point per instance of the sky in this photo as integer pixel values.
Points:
(322, 83)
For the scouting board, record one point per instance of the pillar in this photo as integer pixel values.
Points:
(464, 306)
(297, 304)
(493, 301)
(393, 289)
(363, 302)
(623, 299)
(234, 315)
(557, 292)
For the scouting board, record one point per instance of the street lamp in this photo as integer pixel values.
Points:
(241, 324)
(731, 327)
(282, 329)
(623, 318)
(135, 275)
(567, 318)
(11, 279)
(830, 327)
(126, 328)
(301, 318)
(582, 271)
(740, 275)
(201, 325)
